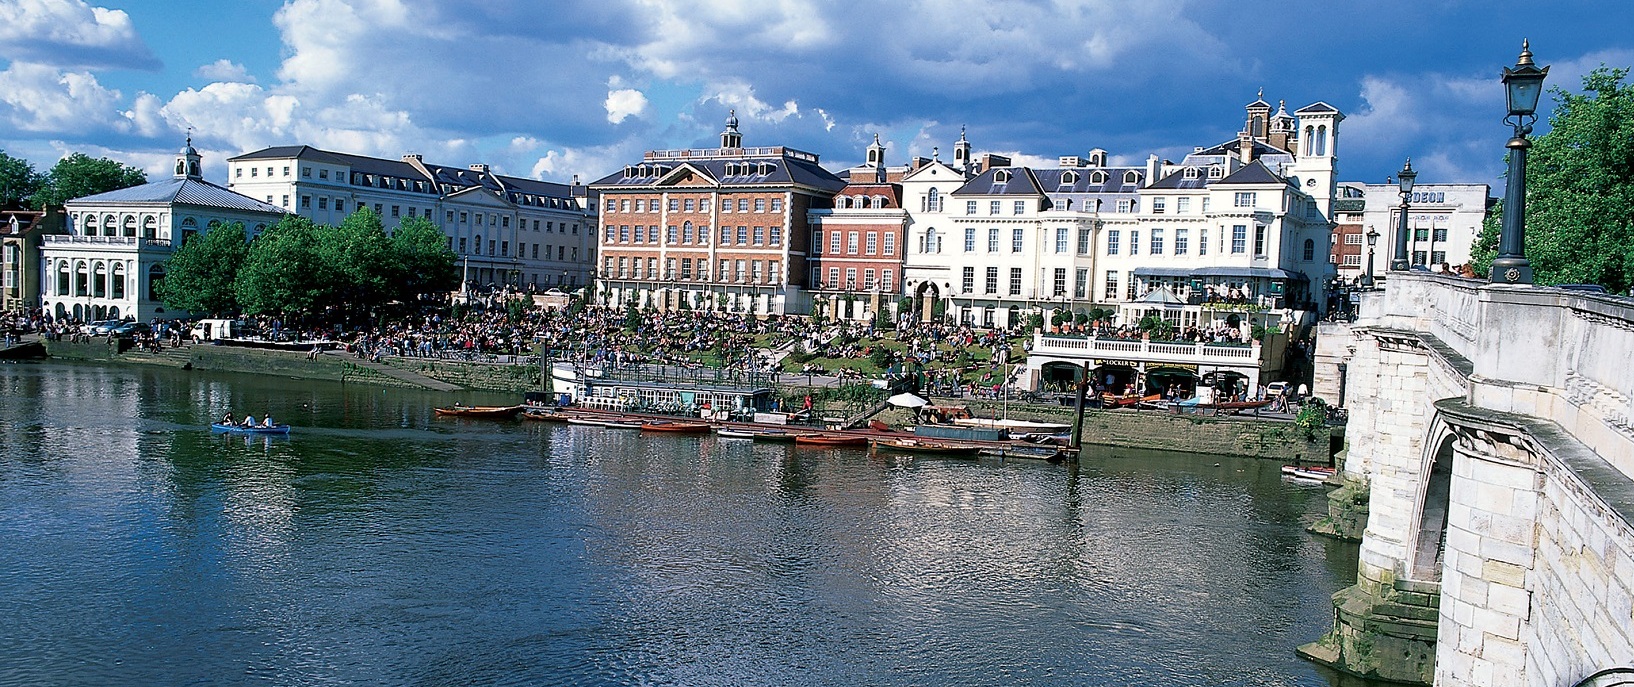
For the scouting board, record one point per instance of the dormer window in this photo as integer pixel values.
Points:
(1191, 173)
(1097, 178)
(629, 172)
(1069, 177)
(1131, 178)
(1215, 172)
(1001, 177)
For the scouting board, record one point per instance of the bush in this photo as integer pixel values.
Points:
(880, 357)
(1312, 418)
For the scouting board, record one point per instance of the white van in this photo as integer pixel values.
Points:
(210, 330)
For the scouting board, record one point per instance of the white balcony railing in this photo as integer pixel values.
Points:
(1145, 351)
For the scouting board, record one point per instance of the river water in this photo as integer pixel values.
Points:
(381, 545)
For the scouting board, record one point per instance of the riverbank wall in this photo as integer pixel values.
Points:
(1246, 437)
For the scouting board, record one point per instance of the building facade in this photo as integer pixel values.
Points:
(109, 264)
(855, 257)
(21, 235)
(716, 228)
(504, 229)
(1349, 256)
(1443, 221)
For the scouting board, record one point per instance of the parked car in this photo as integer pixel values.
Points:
(100, 327)
(1275, 389)
(130, 330)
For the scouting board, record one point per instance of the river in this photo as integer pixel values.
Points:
(381, 545)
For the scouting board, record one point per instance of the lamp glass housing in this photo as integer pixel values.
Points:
(1372, 238)
(1405, 178)
(1523, 86)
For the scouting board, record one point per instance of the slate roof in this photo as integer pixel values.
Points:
(746, 170)
(1178, 180)
(1252, 173)
(1261, 148)
(1055, 180)
(1021, 182)
(186, 191)
(459, 177)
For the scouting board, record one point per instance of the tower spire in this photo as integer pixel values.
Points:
(730, 138)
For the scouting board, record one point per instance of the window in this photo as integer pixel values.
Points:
(760, 205)
(1353, 239)
(1243, 199)
(504, 248)
(885, 280)
(992, 284)
(1083, 240)
(932, 202)
(490, 246)
(1125, 205)
(1310, 250)
(1182, 205)
(740, 272)
(1134, 242)
(760, 236)
(1020, 207)
(970, 239)
(623, 206)
(1080, 282)
(993, 240)
(611, 234)
(688, 205)
(868, 279)
(675, 204)
(1259, 239)
(993, 206)
(816, 241)
(1015, 281)
(1239, 238)
(286, 170)
(306, 172)
(851, 242)
(1111, 285)
(743, 236)
(1018, 240)
(1181, 242)
(1158, 205)
(1436, 257)
(686, 268)
(323, 174)
(1060, 240)
(1419, 257)
(1440, 234)
(1205, 205)
(890, 243)
(1157, 242)
(743, 205)
(462, 244)
(871, 244)
(833, 277)
(1421, 234)
(970, 207)
(776, 236)
(286, 201)
(239, 173)
(1353, 260)
(1060, 281)
(670, 234)
(536, 251)
(726, 234)
(933, 243)
(1202, 241)
(968, 280)
(754, 271)
(834, 239)
(306, 201)
(623, 233)
(323, 203)
(1112, 236)
(777, 205)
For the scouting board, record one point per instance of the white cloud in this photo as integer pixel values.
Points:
(71, 33)
(40, 98)
(224, 70)
(625, 103)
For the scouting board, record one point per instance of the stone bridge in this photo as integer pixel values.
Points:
(1491, 442)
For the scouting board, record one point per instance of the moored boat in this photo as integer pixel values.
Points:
(915, 445)
(729, 433)
(675, 427)
(240, 429)
(544, 415)
(621, 424)
(497, 412)
(1310, 472)
(830, 440)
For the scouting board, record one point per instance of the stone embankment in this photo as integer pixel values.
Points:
(1153, 429)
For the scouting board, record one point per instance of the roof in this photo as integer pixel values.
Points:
(1252, 173)
(185, 191)
(758, 170)
(1161, 295)
(1317, 107)
(1229, 148)
(1019, 181)
(1082, 180)
(1178, 179)
(440, 175)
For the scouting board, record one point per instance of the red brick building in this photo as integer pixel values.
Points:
(1349, 238)
(716, 228)
(856, 248)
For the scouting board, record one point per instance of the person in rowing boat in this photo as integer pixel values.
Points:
(267, 421)
(228, 419)
(249, 420)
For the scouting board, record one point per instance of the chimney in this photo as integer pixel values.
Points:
(1245, 147)
(1152, 169)
(479, 167)
(575, 180)
(412, 157)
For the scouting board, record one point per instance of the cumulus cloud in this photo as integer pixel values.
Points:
(71, 33)
(224, 70)
(41, 98)
(625, 103)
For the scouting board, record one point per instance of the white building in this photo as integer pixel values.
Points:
(110, 263)
(1443, 221)
(504, 229)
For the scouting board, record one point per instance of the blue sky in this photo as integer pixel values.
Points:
(553, 89)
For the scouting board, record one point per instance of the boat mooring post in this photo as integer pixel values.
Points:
(1078, 424)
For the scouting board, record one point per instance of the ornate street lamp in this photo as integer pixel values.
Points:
(1522, 86)
(1405, 182)
(1372, 239)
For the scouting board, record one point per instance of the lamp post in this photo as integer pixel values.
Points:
(1522, 86)
(1405, 183)
(1367, 276)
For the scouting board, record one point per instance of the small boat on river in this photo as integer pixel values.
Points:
(1310, 472)
(922, 446)
(729, 433)
(675, 427)
(544, 415)
(835, 440)
(492, 412)
(240, 429)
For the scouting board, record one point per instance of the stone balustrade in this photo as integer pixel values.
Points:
(1144, 350)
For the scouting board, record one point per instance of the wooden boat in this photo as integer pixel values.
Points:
(240, 429)
(830, 440)
(1113, 401)
(1311, 472)
(940, 448)
(675, 427)
(544, 415)
(495, 412)
(774, 436)
(621, 424)
(729, 433)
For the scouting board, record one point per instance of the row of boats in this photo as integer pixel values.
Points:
(734, 432)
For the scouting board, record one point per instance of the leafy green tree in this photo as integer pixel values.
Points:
(284, 272)
(200, 275)
(80, 175)
(1579, 189)
(358, 262)
(424, 263)
(18, 181)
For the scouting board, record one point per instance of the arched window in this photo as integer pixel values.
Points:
(116, 286)
(109, 225)
(1131, 177)
(1191, 173)
(879, 201)
(1001, 177)
(89, 227)
(842, 202)
(99, 280)
(129, 228)
(1069, 177)
(82, 279)
(1097, 178)
(477, 240)
(1322, 140)
(213, 225)
(189, 228)
(156, 283)
(1310, 250)
(933, 201)
(62, 278)
(150, 228)
(181, 167)
(1310, 133)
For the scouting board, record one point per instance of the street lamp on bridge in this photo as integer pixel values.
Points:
(1404, 180)
(1522, 86)
(1372, 239)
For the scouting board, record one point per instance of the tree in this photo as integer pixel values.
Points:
(284, 273)
(18, 181)
(424, 263)
(1579, 190)
(358, 264)
(200, 275)
(79, 175)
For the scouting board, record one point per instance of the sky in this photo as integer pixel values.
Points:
(550, 90)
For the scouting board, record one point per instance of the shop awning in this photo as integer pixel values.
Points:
(1248, 273)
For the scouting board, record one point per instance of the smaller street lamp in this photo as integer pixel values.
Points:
(1405, 182)
(1367, 276)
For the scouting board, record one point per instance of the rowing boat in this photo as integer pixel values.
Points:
(544, 415)
(500, 412)
(1311, 472)
(729, 433)
(940, 448)
(830, 440)
(675, 427)
(240, 429)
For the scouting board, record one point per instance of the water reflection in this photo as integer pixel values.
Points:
(379, 543)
